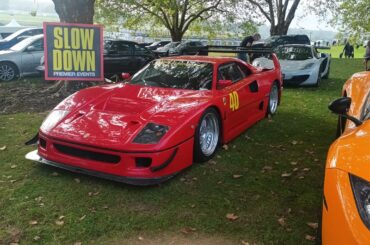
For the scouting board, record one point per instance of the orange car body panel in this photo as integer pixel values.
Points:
(349, 154)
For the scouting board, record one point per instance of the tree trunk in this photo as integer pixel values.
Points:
(279, 29)
(73, 11)
(176, 35)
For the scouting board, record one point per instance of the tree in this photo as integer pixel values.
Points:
(175, 15)
(353, 15)
(75, 11)
(280, 13)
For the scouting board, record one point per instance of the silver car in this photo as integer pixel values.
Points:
(21, 59)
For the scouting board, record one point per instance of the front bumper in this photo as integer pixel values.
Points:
(341, 222)
(34, 156)
(300, 78)
(132, 167)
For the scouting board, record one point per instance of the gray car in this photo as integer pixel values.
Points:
(21, 59)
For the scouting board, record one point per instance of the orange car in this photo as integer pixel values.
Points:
(346, 199)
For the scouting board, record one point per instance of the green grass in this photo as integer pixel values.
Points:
(335, 51)
(27, 19)
(199, 198)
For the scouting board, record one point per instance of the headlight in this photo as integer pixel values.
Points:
(308, 66)
(52, 119)
(361, 191)
(151, 134)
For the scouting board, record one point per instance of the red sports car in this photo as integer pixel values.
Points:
(171, 113)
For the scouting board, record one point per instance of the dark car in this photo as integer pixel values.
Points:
(275, 41)
(156, 45)
(125, 56)
(18, 36)
(187, 48)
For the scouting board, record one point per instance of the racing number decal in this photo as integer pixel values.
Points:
(234, 101)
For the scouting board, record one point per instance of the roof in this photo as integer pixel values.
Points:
(13, 23)
(201, 58)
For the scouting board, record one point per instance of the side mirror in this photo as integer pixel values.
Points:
(31, 48)
(125, 76)
(224, 83)
(341, 106)
(323, 55)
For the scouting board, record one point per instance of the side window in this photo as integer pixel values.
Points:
(141, 51)
(230, 72)
(244, 70)
(123, 48)
(39, 45)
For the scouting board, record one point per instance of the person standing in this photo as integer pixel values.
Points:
(367, 55)
(247, 42)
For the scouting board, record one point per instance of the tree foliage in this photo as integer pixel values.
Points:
(177, 16)
(279, 13)
(353, 15)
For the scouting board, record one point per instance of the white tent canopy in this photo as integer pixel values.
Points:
(13, 23)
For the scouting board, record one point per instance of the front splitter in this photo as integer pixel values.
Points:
(34, 156)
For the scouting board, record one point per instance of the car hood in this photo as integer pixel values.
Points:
(118, 115)
(6, 52)
(351, 152)
(294, 65)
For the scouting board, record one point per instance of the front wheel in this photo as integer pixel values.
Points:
(273, 99)
(207, 136)
(8, 72)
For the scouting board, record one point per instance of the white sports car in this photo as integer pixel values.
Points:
(300, 64)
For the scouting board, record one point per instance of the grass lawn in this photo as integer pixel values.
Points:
(45, 205)
(26, 19)
(335, 51)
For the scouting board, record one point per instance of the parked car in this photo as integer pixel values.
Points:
(18, 36)
(165, 50)
(275, 41)
(156, 45)
(300, 64)
(346, 195)
(174, 111)
(187, 48)
(125, 56)
(22, 58)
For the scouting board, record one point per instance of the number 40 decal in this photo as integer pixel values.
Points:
(234, 101)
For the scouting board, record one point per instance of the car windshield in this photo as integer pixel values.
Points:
(294, 53)
(177, 74)
(14, 35)
(23, 44)
(154, 44)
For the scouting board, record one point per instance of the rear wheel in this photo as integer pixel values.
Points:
(207, 136)
(273, 99)
(8, 71)
(328, 73)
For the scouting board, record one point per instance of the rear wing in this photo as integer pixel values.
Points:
(257, 52)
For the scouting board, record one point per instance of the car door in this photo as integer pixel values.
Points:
(31, 58)
(240, 97)
(118, 58)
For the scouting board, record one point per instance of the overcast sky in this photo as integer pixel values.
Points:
(308, 22)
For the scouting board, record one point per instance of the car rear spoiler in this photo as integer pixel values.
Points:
(265, 51)
(235, 49)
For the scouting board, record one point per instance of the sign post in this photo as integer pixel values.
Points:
(73, 52)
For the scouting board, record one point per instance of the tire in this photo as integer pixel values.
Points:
(8, 71)
(207, 136)
(318, 81)
(327, 74)
(273, 102)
